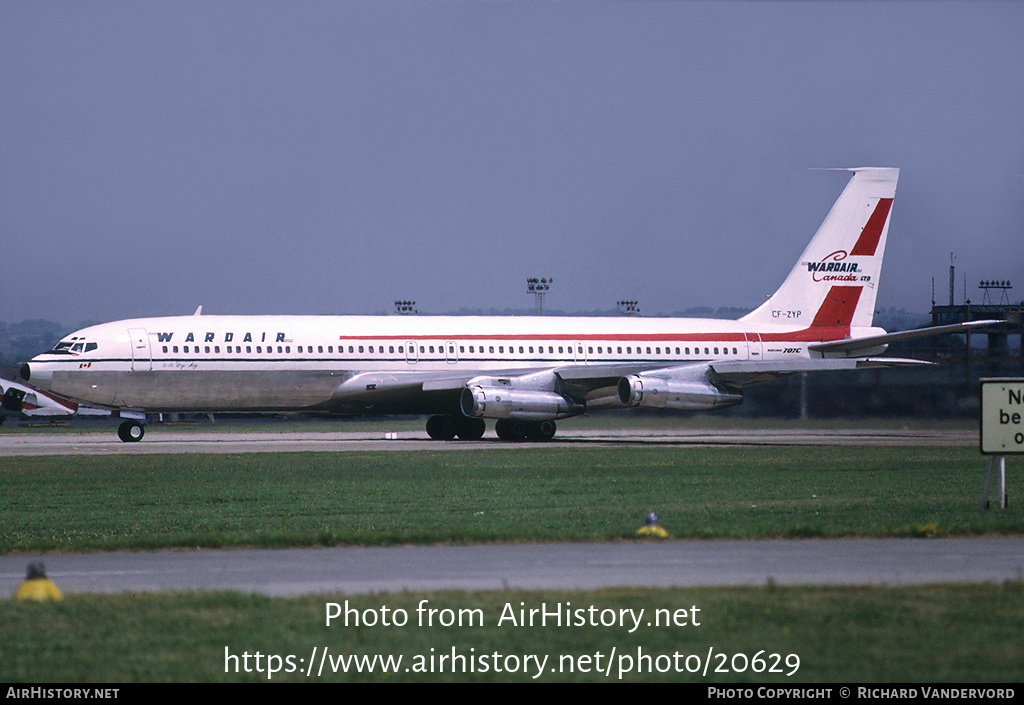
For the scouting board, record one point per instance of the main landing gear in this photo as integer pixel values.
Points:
(445, 428)
(131, 431)
(515, 430)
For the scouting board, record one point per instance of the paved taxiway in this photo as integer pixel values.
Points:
(159, 440)
(890, 562)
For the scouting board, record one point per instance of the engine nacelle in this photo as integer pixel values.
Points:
(670, 393)
(478, 401)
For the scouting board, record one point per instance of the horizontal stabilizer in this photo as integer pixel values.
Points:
(852, 344)
(742, 373)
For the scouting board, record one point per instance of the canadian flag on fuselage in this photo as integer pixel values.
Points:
(835, 282)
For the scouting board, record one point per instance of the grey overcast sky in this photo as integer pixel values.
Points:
(315, 157)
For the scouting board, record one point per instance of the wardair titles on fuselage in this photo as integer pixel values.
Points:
(228, 338)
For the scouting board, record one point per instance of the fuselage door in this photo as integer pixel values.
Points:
(753, 346)
(451, 353)
(411, 356)
(142, 356)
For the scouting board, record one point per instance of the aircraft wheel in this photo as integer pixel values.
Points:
(510, 429)
(441, 428)
(501, 428)
(131, 431)
(471, 429)
(541, 431)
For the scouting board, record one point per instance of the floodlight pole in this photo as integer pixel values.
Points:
(987, 285)
(538, 287)
(405, 307)
(628, 308)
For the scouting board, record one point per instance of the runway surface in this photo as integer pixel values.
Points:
(161, 440)
(890, 562)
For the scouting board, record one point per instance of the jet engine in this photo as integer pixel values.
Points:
(675, 393)
(493, 398)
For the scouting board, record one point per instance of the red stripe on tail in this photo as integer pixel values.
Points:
(838, 307)
(867, 243)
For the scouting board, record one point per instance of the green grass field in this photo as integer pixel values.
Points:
(931, 634)
(79, 503)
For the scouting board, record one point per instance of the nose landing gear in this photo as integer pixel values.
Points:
(131, 431)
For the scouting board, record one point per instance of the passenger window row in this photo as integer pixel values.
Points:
(430, 349)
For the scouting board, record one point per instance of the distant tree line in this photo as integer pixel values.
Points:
(23, 341)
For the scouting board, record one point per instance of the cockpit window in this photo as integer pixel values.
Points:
(70, 347)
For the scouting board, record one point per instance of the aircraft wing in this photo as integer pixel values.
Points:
(599, 386)
(368, 389)
(590, 384)
(594, 385)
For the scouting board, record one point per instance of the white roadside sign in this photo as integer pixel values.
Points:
(1002, 416)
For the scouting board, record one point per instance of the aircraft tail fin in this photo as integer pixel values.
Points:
(835, 281)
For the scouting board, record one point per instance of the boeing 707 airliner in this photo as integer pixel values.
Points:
(524, 372)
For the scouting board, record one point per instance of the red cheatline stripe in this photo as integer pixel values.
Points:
(568, 338)
(817, 333)
(867, 243)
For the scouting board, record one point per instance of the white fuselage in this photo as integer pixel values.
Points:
(295, 363)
